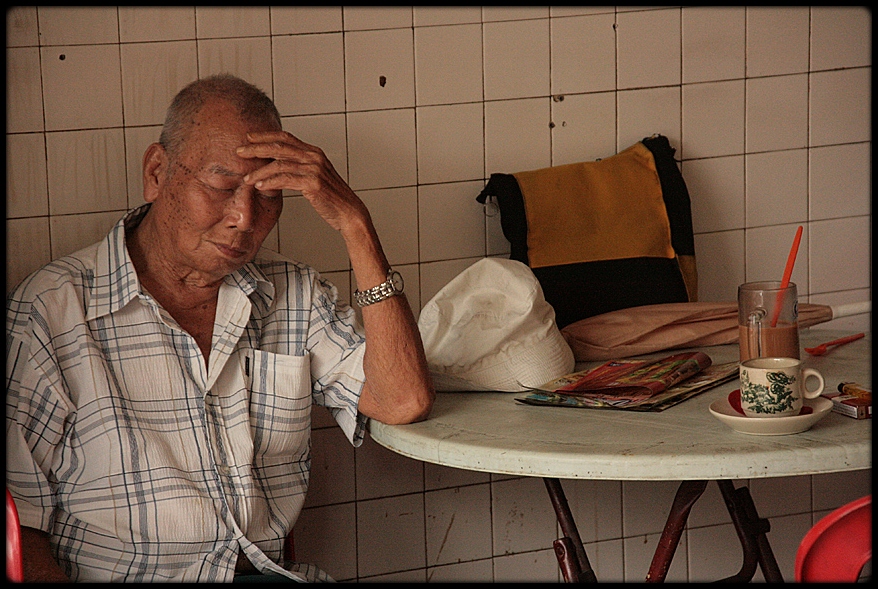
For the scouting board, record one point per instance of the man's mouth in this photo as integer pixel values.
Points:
(231, 252)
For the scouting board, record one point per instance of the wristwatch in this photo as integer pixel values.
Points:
(391, 287)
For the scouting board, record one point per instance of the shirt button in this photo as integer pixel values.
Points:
(223, 469)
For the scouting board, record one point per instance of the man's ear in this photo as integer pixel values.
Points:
(155, 169)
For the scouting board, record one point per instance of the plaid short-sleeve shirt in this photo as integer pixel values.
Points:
(143, 462)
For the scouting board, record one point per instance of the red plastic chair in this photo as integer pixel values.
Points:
(837, 548)
(14, 570)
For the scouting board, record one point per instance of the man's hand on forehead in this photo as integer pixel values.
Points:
(297, 165)
(289, 158)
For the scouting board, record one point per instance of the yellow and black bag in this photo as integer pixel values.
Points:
(605, 235)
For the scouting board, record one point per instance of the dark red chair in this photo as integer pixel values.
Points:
(837, 548)
(289, 548)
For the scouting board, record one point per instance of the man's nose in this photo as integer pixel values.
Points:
(241, 209)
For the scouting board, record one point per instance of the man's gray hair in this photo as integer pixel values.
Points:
(251, 103)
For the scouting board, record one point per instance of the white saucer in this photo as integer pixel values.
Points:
(770, 426)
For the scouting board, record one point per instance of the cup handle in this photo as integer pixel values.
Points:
(811, 394)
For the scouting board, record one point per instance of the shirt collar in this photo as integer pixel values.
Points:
(114, 281)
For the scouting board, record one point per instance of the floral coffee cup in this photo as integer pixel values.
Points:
(775, 387)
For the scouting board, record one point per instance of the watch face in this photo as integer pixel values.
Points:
(396, 280)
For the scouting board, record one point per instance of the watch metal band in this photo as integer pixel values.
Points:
(391, 287)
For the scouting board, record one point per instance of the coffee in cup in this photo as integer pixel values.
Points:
(775, 387)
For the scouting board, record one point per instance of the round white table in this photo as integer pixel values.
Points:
(491, 432)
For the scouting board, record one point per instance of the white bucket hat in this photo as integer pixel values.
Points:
(490, 328)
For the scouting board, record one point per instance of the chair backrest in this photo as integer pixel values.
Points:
(602, 235)
(837, 548)
(14, 570)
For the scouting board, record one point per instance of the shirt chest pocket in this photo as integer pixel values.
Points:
(280, 403)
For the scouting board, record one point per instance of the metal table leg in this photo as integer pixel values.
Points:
(687, 494)
(568, 549)
(750, 527)
(751, 530)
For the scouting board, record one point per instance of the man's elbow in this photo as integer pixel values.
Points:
(417, 407)
(422, 409)
(414, 406)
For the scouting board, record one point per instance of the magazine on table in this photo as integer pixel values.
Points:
(639, 385)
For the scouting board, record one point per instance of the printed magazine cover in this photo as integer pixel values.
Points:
(640, 385)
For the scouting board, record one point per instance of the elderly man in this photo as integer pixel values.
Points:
(160, 382)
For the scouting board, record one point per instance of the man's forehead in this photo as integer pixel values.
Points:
(214, 150)
(213, 137)
(231, 166)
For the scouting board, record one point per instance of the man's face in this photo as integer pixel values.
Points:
(215, 222)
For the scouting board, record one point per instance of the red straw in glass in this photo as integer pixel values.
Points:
(787, 273)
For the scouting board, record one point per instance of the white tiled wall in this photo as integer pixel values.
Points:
(769, 110)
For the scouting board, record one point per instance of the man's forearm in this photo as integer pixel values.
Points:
(398, 385)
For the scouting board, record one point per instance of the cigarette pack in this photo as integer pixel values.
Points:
(851, 400)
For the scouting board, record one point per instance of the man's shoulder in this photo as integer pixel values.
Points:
(52, 288)
(74, 271)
